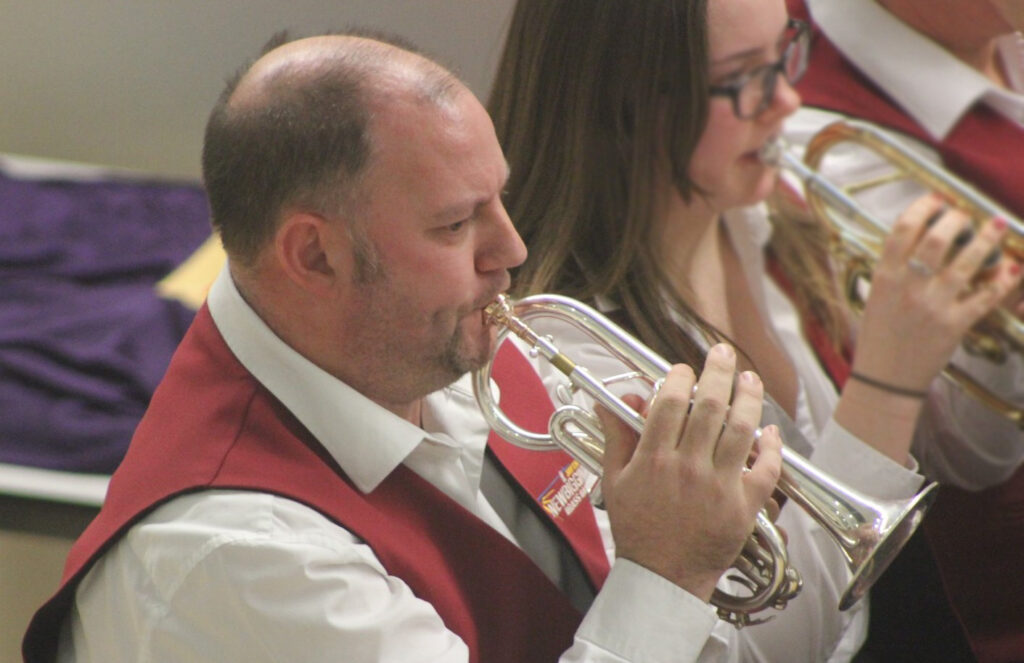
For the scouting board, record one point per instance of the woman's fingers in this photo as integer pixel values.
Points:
(945, 264)
(971, 260)
(937, 241)
(907, 229)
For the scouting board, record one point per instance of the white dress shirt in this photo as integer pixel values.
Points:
(225, 575)
(958, 440)
(810, 628)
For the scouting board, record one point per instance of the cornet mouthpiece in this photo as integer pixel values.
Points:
(771, 152)
(499, 310)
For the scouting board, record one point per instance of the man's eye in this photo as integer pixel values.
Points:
(456, 227)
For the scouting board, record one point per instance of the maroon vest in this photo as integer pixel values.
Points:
(484, 588)
(976, 537)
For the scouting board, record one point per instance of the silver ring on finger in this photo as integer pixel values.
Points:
(920, 268)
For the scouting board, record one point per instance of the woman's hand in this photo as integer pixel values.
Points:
(926, 293)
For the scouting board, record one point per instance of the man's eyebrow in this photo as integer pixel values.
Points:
(459, 210)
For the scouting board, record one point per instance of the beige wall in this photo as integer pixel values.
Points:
(30, 568)
(129, 82)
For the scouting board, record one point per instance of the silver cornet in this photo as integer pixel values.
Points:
(869, 532)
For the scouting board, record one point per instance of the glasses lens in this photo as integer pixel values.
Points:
(795, 57)
(751, 94)
(758, 90)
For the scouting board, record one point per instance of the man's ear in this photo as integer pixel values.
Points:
(311, 250)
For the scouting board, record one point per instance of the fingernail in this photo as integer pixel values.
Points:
(1014, 268)
(724, 350)
(1000, 223)
(750, 377)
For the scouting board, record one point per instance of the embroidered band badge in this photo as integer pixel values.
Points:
(567, 490)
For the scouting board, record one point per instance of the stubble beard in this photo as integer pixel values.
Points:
(407, 374)
(456, 357)
(442, 367)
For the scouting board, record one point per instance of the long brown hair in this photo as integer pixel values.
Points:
(578, 106)
(589, 94)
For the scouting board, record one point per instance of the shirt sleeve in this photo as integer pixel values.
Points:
(961, 441)
(843, 456)
(640, 616)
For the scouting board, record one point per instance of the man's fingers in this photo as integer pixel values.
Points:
(737, 437)
(620, 440)
(667, 412)
(711, 402)
(767, 467)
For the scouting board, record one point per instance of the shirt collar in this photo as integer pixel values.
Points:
(366, 440)
(929, 83)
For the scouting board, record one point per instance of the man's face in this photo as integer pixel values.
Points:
(443, 242)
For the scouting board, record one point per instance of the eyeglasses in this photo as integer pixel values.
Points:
(754, 91)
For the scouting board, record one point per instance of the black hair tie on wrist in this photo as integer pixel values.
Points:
(891, 388)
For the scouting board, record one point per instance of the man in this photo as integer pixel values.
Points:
(304, 487)
(948, 78)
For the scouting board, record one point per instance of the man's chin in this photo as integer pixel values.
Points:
(476, 360)
(465, 354)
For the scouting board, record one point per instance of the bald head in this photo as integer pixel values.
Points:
(294, 130)
(385, 68)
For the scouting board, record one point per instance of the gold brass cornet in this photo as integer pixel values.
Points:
(869, 532)
(857, 235)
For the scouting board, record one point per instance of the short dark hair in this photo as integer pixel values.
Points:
(305, 142)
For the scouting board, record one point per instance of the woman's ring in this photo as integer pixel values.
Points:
(920, 268)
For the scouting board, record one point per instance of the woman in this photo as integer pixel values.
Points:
(633, 132)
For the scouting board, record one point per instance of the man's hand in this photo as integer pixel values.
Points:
(680, 499)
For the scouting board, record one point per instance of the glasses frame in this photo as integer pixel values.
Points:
(769, 73)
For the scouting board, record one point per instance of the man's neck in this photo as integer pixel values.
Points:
(968, 30)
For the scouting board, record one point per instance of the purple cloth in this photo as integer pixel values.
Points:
(84, 339)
